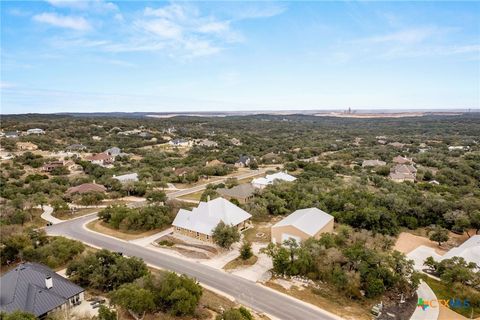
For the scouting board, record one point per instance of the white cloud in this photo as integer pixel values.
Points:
(162, 27)
(408, 36)
(98, 6)
(6, 85)
(69, 22)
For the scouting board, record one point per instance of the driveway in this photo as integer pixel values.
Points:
(424, 292)
(255, 296)
(47, 215)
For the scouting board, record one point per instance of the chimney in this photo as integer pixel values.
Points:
(49, 282)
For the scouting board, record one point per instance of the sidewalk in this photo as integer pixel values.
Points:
(147, 240)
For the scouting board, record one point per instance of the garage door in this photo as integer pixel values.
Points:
(286, 236)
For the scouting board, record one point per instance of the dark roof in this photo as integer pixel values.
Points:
(244, 159)
(86, 187)
(241, 191)
(23, 288)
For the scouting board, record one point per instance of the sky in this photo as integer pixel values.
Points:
(157, 56)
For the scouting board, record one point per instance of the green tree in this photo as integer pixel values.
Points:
(105, 313)
(17, 315)
(225, 235)
(156, 196)
(439, 235)
(246, 250)
(131, 297)
(179, 294)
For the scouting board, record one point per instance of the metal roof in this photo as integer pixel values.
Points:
(309, 220)
(208, 215)
(24, 289)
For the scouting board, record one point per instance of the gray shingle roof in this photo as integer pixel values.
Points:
(243, 191)
(23, 288)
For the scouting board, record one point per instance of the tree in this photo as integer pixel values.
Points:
(439, 235)
(179, 294)
(209, 194)
(231, 182)
(131, 297)
(156, 196)
(105, 313)
(17, 315)
(235, 314)
(225, 235)
(475, 220)
(246, 250)
(105, 270)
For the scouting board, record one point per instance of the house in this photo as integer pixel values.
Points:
(397, 144)
(96, 138)
(101, 159)
(271, 157)
(261, 183)
(37, 289)
(145, 134)
(469, 250)
(207, 143)
(115, 151)
(382, 141)
(180, 171)
(36, 131)
(48, 167)
(26, 146)
(76, 147)
(373, 163)
(301, 225)
(402, 160)
(126, 178)
(243, 161)
(463, 148)
(214, 163)
(86, 188)
(5, 155)
(243, 192)
(235, 142)
(403, 172)
(202, 220)
(180, 143)
(11, 134)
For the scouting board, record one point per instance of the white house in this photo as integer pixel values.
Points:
(469, 250)
(301, 225)
(180, 143)
(464, 148)
(271, 178)
(35, 131)
(129, 177)
(202, 220)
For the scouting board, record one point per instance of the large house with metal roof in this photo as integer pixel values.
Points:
(301, 225)
(261, 183)
(37, 289)
(202, 220)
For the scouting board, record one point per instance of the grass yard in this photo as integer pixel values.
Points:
(192, 196)
(67, 214)
(259, 233)
(327, 298)
(239, 262)
(443, 291)
(102, 227)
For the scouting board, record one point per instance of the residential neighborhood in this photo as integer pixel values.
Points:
(239, 160)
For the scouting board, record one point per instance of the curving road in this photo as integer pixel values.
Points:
(245, 292)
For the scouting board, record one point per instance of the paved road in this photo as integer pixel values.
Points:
(183, 192)
(245, 292)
